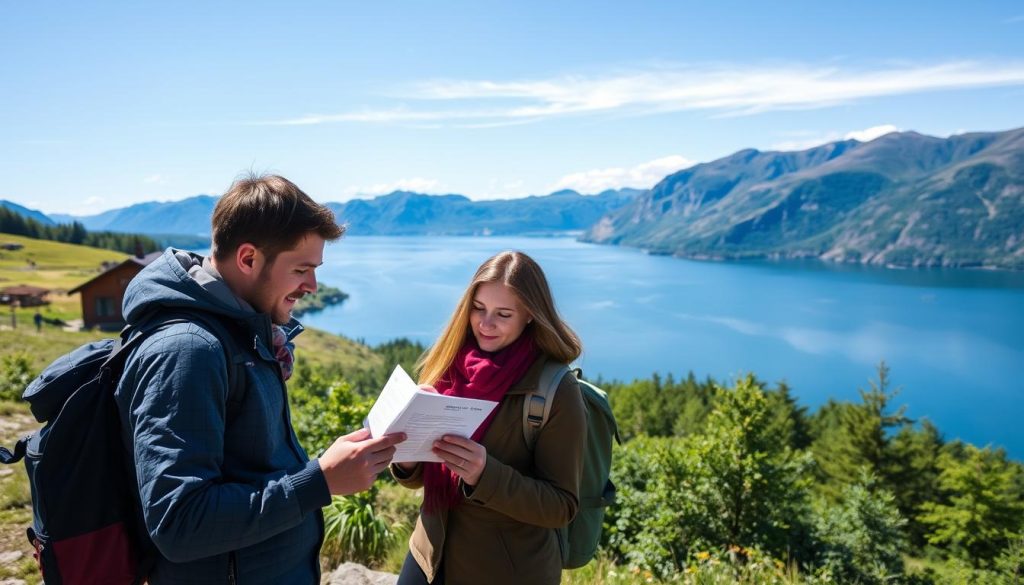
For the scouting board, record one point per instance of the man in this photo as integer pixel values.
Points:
(227, 493)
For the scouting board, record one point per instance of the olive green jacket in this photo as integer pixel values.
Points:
(502, 531)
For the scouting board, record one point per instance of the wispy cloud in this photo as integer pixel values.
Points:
(642, 176)
(1014, 19)
(154, 179)
(720, 90)
(415, 184)
(805, 140)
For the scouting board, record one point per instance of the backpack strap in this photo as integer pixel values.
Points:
(221, 329)
(537, 404)
(6, 457)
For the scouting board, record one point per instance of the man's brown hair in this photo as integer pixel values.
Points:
(271, 213)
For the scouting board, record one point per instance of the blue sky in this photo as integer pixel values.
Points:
(107, 104)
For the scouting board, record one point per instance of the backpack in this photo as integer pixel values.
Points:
(85, 527)
(580, 539)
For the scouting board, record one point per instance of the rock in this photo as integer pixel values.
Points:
(356, 574)
(10, 557)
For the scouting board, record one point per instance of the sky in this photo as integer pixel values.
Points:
(103, 105)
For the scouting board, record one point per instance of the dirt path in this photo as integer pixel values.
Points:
(17, 566)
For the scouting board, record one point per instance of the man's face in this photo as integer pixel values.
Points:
(291, 276)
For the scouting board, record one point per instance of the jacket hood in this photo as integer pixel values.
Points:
(178, 280)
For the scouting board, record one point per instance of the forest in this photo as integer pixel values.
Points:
(737, 483)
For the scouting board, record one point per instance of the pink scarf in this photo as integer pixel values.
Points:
(474, 374)
(284, 352)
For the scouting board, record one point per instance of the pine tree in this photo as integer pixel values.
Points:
(982, 508)
(854, 438)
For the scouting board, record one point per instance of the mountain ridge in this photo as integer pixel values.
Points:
(903, 199)
(396, 213)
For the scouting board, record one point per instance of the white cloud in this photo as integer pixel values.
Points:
(1014, 19)
(415, 184)
(869, 134)
(805, 140)
(731, 90)
(501, 189)
(643, 176)
(155, 179)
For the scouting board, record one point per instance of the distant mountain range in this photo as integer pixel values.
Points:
(904, 199)
(404, 213)
(398, 213)
(188, 216)
(26, 212)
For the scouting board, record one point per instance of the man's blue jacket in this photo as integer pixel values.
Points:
(227, 493)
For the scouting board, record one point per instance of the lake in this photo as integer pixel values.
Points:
(954, 339)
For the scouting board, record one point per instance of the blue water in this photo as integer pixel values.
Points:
(954, 339)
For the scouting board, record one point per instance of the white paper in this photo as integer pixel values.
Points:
(404, 407)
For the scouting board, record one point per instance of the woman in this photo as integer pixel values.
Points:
(490, 509)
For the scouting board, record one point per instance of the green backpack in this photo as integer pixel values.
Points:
(580, 539)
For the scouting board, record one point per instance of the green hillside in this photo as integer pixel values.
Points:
(56, 265)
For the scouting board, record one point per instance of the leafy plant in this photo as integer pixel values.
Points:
(862, 537)
(15, 374)
(353, 531)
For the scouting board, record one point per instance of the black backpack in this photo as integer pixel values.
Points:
(85, 522)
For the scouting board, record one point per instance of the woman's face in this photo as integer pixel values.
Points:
(496, 317)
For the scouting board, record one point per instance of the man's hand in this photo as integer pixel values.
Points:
(352, 463)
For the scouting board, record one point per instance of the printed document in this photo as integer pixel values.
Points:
(404, 407)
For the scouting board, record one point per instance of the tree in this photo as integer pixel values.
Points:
(862, 537)
(852, 438)
(913, 474)
(752, 482)
(982, 509)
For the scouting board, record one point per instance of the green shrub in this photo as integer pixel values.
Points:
(737, 485)
(862, 537)
(324, 408)
(353, 531)
(15, 374)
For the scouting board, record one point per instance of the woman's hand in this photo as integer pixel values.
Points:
(465, 457)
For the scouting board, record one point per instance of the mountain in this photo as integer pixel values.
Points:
(398, 213)
(188, 216)
(405, 213)
(904, 199)
(26, 212)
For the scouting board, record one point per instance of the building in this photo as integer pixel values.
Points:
(102, 296)
(24, 296)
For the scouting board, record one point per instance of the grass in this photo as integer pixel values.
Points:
(320, 348)
(52, 265)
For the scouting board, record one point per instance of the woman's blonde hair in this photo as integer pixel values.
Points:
(524, 277)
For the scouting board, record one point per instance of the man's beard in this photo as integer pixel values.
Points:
(263, 282)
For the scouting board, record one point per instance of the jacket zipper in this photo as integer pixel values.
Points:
(231, 568)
